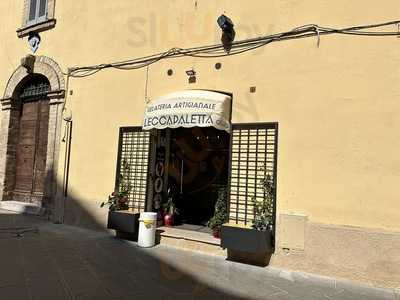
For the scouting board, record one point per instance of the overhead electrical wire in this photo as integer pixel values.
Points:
(238, 47)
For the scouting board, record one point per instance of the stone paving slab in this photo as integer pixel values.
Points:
(61, 262)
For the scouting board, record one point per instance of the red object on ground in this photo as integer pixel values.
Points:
(168, 220)
(216, 233)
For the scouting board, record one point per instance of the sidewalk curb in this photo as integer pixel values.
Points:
(336, 282)
(307, 278)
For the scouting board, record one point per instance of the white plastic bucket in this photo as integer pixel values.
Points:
(147, 229)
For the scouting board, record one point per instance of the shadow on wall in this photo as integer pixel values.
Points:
(84, 213)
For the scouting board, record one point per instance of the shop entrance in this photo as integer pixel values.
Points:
(190, 156)
(197, 170)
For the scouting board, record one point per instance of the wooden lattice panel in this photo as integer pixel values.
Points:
(133, 165)
(253, 156)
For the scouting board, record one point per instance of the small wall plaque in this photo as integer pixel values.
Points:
(34, 41)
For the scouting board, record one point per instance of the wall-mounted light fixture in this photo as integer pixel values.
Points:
(191, 72)
(228, 32)
(192, 75)
(34, 41)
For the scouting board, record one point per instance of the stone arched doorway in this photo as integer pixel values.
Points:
(27, 180)
(31, 112)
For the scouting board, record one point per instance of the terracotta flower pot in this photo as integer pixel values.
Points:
(168, 220)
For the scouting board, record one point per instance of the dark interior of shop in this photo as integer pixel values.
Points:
(198, 168)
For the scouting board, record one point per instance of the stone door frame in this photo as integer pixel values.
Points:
(9, 115)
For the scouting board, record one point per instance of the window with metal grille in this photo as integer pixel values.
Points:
(253, 158)
(37, 11)
(132, 165)
(37, 86)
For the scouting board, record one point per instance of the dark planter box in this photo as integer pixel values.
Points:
(126, 223)
(246, 244)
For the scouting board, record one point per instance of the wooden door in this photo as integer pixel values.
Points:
(32, 149)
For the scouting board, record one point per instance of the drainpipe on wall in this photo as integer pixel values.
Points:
(62, 193)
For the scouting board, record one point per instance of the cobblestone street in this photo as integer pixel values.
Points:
(41, 260)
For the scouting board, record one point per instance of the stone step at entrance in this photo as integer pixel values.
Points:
(190, 240)
(22, 207)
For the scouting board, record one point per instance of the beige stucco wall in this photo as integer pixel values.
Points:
(337, 105)
(371, 256)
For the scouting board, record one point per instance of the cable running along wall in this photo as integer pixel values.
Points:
(238, 47)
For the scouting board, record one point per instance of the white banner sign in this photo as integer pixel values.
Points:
(189, 109)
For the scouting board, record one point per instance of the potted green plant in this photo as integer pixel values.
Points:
(120, 217)
(264, 208)
(253, 243)
(170, 211)
(220, 213)
(118, 200)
